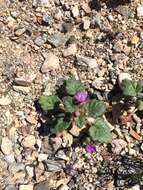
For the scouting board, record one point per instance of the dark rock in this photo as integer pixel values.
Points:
(54, 166)
(71, 40)
(10, 187)
(42, 186)
(126, 171)
(67, 27)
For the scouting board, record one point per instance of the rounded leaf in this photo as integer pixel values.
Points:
(100, 131)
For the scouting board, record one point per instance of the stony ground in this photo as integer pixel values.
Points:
(43, 42)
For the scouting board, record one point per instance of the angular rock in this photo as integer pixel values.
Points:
(87, 62)
(135, 40)
(57, 39)
(71, 50)
(44, 185)
(51, 62)
(31, 119)
(86, 7)
(19, 177)
(42, 157)
(25, 80)
(54, 166)
(30, 171)
(29, 141)
(132, 152)
(61, 155)
(118, 145)
(67, 140)
(56, 143)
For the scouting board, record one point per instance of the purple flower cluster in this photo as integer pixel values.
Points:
(81, 97)
(90, 148)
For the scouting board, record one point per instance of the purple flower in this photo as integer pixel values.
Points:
(90, 148)
(81, 97)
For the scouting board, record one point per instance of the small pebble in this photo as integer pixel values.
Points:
(40, 40)
(20, 31)
(25, 80)
(4, 101)
(21, 89)
(132, 152)
(29, 141)
(9, 158)
(86, 24)
(6, 146)
(140, 11)
(30, 171)
(42, 157)
(75, 11)
(87, 62)
(135, 40)
(45, 3)
(26, 187)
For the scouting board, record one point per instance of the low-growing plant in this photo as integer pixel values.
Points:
(134, 90)
(76, 108)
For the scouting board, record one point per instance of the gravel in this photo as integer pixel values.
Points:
(42, 43)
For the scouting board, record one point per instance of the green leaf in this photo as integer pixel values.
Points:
(100, 131)
(73, 86)
(139, 105)
(131, 88)
(48, 102)
(80, 121)
(60, 125)
(68, 104)
(96, 108)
